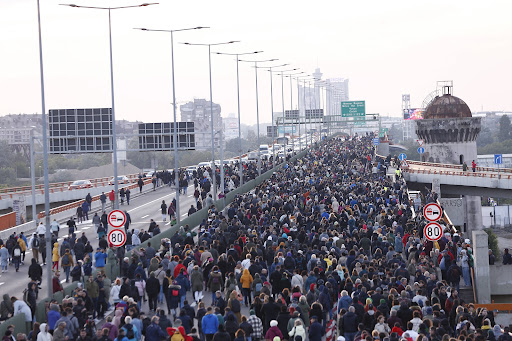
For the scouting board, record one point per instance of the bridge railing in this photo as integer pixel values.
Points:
(458, 173)
(477, 169)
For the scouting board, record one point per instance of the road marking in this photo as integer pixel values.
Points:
(169, 223)
(63, 281)
(86, 228)
(2, 283)
(148, 203)
(147, 215)
(184, 215)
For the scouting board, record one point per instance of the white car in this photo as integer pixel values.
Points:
(121, 179)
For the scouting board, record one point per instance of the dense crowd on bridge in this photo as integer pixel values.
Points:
(330, 244)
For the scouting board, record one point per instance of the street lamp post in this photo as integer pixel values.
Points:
(114, 135)
(175, 130)
(240, 166)
(214, 168)
(257, 106)
(282, 102)
(45, 163)
(291, 107)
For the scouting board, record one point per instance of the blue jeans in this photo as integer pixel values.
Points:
(349, 336)
(182, 300)
(467, 276)
(67, 269)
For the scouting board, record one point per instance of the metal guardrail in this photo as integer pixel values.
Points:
(75, 204)
(457, 173)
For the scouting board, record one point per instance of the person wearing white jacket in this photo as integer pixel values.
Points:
(297, 330)
(20, 307)
(114, 292)
(43, 334)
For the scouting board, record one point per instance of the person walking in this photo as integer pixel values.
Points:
(209, 324)
(127, 193)
(55, 228)
(163, 208)
(122, 194)
(34, 246)
(112, 198)
(4, 258)
(96, 221)
(103, 200)
(85, 210)
(140, 182)
(55, 256)
(66, 262)
(473, 166)
(79, 213)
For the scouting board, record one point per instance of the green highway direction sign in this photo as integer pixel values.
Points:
(353, 109)
(359, 121)
(383, 131)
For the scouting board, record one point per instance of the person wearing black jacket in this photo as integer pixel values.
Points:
(270, 311)
(35, 271)
(152, 289)
(348, 324)
(125, 288)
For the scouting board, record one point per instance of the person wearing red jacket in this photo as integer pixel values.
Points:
(56, 283)
(112, 198)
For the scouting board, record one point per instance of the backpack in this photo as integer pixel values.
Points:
(25, 296)
(65, 260)
(215, 280)
(235, 306)
(17, 252)
(258, 287)
(130, 334)
(35, 242)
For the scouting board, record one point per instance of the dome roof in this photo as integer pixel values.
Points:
(447, 106)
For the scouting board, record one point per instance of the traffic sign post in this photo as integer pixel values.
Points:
(433, 231)
(420, 142)
(432, 212)
(421, 150)
(404, 164)
(402, 157)
(116, 238)
(116, 219)
(498, 159)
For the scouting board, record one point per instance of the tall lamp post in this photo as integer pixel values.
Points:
(45, 165)
(175, 130)
(237, 55)
(214, 168)
(272, 107)
(291, 106)
(114, 135)
(257, 106)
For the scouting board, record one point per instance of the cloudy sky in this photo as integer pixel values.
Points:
(385, 48)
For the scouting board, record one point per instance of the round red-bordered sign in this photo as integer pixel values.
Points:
(116, 218)
(432, 212)
(116, 238)
(433, 231)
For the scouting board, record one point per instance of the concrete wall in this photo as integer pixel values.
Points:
(482, 273)
(450, 152)
(473, 205)
(502, 214)
(501, 283)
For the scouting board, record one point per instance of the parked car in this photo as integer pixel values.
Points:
(121, 179)
(79, 184)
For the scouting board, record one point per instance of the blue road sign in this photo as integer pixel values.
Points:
(421, 150)
(376, 141)
(498, 159)
(402, 157)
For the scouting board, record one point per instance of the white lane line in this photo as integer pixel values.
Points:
(86, 228)
(169, 223)
(184, 215)
(2, 283)
(149, 203)
(147, 215)
(63, 281)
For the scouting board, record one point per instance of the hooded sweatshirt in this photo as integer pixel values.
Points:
(6, 307)
(43, 335)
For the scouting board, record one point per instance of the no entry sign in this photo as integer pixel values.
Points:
(116, 238)
(433, 231)
(432, 212)
(116, 219)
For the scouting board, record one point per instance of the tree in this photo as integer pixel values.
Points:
(504, 132)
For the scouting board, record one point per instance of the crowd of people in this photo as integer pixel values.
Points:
(330, 244)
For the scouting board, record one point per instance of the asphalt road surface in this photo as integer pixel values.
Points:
(141, 210)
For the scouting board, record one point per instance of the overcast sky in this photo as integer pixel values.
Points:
(385, 48)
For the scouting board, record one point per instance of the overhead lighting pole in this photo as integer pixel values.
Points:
(282, 102)
(257, 106)
(175, 130)
(114, 135)
(214, 168)
(45, 165)
(237, 55)
(291, 107)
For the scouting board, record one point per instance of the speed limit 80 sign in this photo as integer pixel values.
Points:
(116, 238)
(433, 231)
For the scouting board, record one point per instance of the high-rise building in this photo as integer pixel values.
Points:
(199, 112)
(230, 127)
(310, 95)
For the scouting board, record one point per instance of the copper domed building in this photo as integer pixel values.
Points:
(449, 131)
